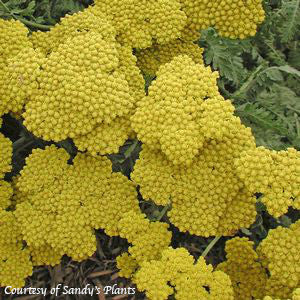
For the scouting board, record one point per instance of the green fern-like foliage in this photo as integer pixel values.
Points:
(224, 55)
(41, 12)
(290, 11)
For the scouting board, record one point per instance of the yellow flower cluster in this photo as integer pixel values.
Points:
(155, 176)
(191, 140)
(13, 37)
(5, 154)
(108, 137)
(100, 139)
(247, 275)
(231, 18)
(295, 296)
(207, 197)
(126, 264)
(20, 76)
(18, 66)
(280, 253)
(275, 174)
(177, 274)
(9, 228)
(138, 22)
(272, 271)
(6, 191)
(88, 86)
(150, 59)
(76, 95)
(148, 239)
(65, 202)
(128, 67)
(44, 255)
(17, 196)
(71, 26)
(15, 263)
(183, 109)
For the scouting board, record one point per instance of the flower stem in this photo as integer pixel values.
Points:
(34, 24)
(162, 213)
(210, 245)
(130, 149)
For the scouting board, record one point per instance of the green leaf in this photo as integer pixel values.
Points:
(285, 221)
(274, 74)
(262, 117)
(28, 11)
(14, 3)
(61, 8)
(290, 11)
(224, 55)
(272, 117)
(246, 231)
(294, 58)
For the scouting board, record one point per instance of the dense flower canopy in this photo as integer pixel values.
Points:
(64, 202)
(176, 273)
(123, 85)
